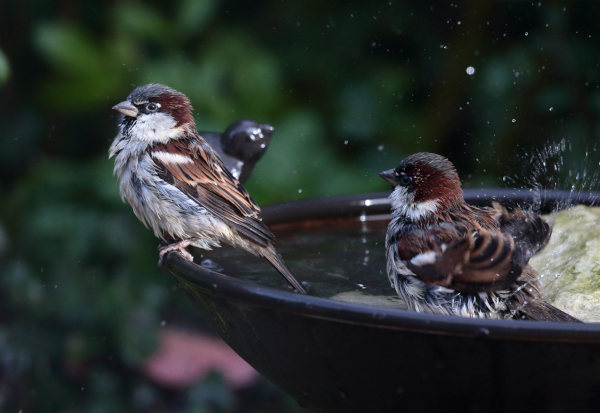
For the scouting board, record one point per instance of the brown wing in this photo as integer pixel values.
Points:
(426, 254)
(490, 265)
(529, 231)
(202, 176)
(466, 261)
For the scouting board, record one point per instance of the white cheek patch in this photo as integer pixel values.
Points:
(155, 128)
(400, 197)
(403, 205)
(424, 258)
(171, 158)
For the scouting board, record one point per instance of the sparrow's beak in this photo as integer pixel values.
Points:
(127, 109)
(389, 176)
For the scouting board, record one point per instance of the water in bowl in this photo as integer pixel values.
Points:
(341, 259)
(344, 259)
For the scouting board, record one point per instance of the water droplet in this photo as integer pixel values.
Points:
(380, 147)
(210, 264)
(526, 34)
(470, 70)
(299, 191)
(514, 120)
(345, 142)
(550, 108)
(482, 333)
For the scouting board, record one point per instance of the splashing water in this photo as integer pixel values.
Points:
(554, 168)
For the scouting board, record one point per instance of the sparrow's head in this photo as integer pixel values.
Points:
(155, 114)
(424, 185)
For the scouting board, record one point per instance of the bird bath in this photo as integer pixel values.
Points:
(360, 351)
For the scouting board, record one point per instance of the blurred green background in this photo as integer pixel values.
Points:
(351, 88)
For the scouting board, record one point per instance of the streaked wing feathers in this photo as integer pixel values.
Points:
(198, 172)
(490, 264)
(471, 263)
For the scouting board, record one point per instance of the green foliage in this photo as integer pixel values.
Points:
(4, 67)
(351, 89)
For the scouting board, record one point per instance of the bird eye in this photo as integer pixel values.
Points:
(405, 180)
(151, 107)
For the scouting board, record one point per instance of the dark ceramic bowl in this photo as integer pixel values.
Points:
(343, 357)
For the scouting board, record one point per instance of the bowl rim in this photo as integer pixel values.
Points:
(209, 282)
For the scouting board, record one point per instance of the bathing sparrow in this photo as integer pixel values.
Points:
(445, 256)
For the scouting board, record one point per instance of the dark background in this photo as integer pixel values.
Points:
(351, 88)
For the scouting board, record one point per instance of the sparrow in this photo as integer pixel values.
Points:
(177, 184)
(241, 146)
(445, 256)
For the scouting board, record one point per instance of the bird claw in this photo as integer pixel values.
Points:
(179, 246)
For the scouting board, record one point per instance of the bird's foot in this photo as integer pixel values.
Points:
(177, 246)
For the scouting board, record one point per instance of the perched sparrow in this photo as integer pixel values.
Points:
(447, 257)
(240, 147)
(176, 183)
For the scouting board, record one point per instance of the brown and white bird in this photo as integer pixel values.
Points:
(177, 184)
(445, 256)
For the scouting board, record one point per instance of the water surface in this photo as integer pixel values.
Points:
(343, 259)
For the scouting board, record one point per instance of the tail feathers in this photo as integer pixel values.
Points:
(542, 311)
(528, 303)
(277, 262)
(537, 309)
